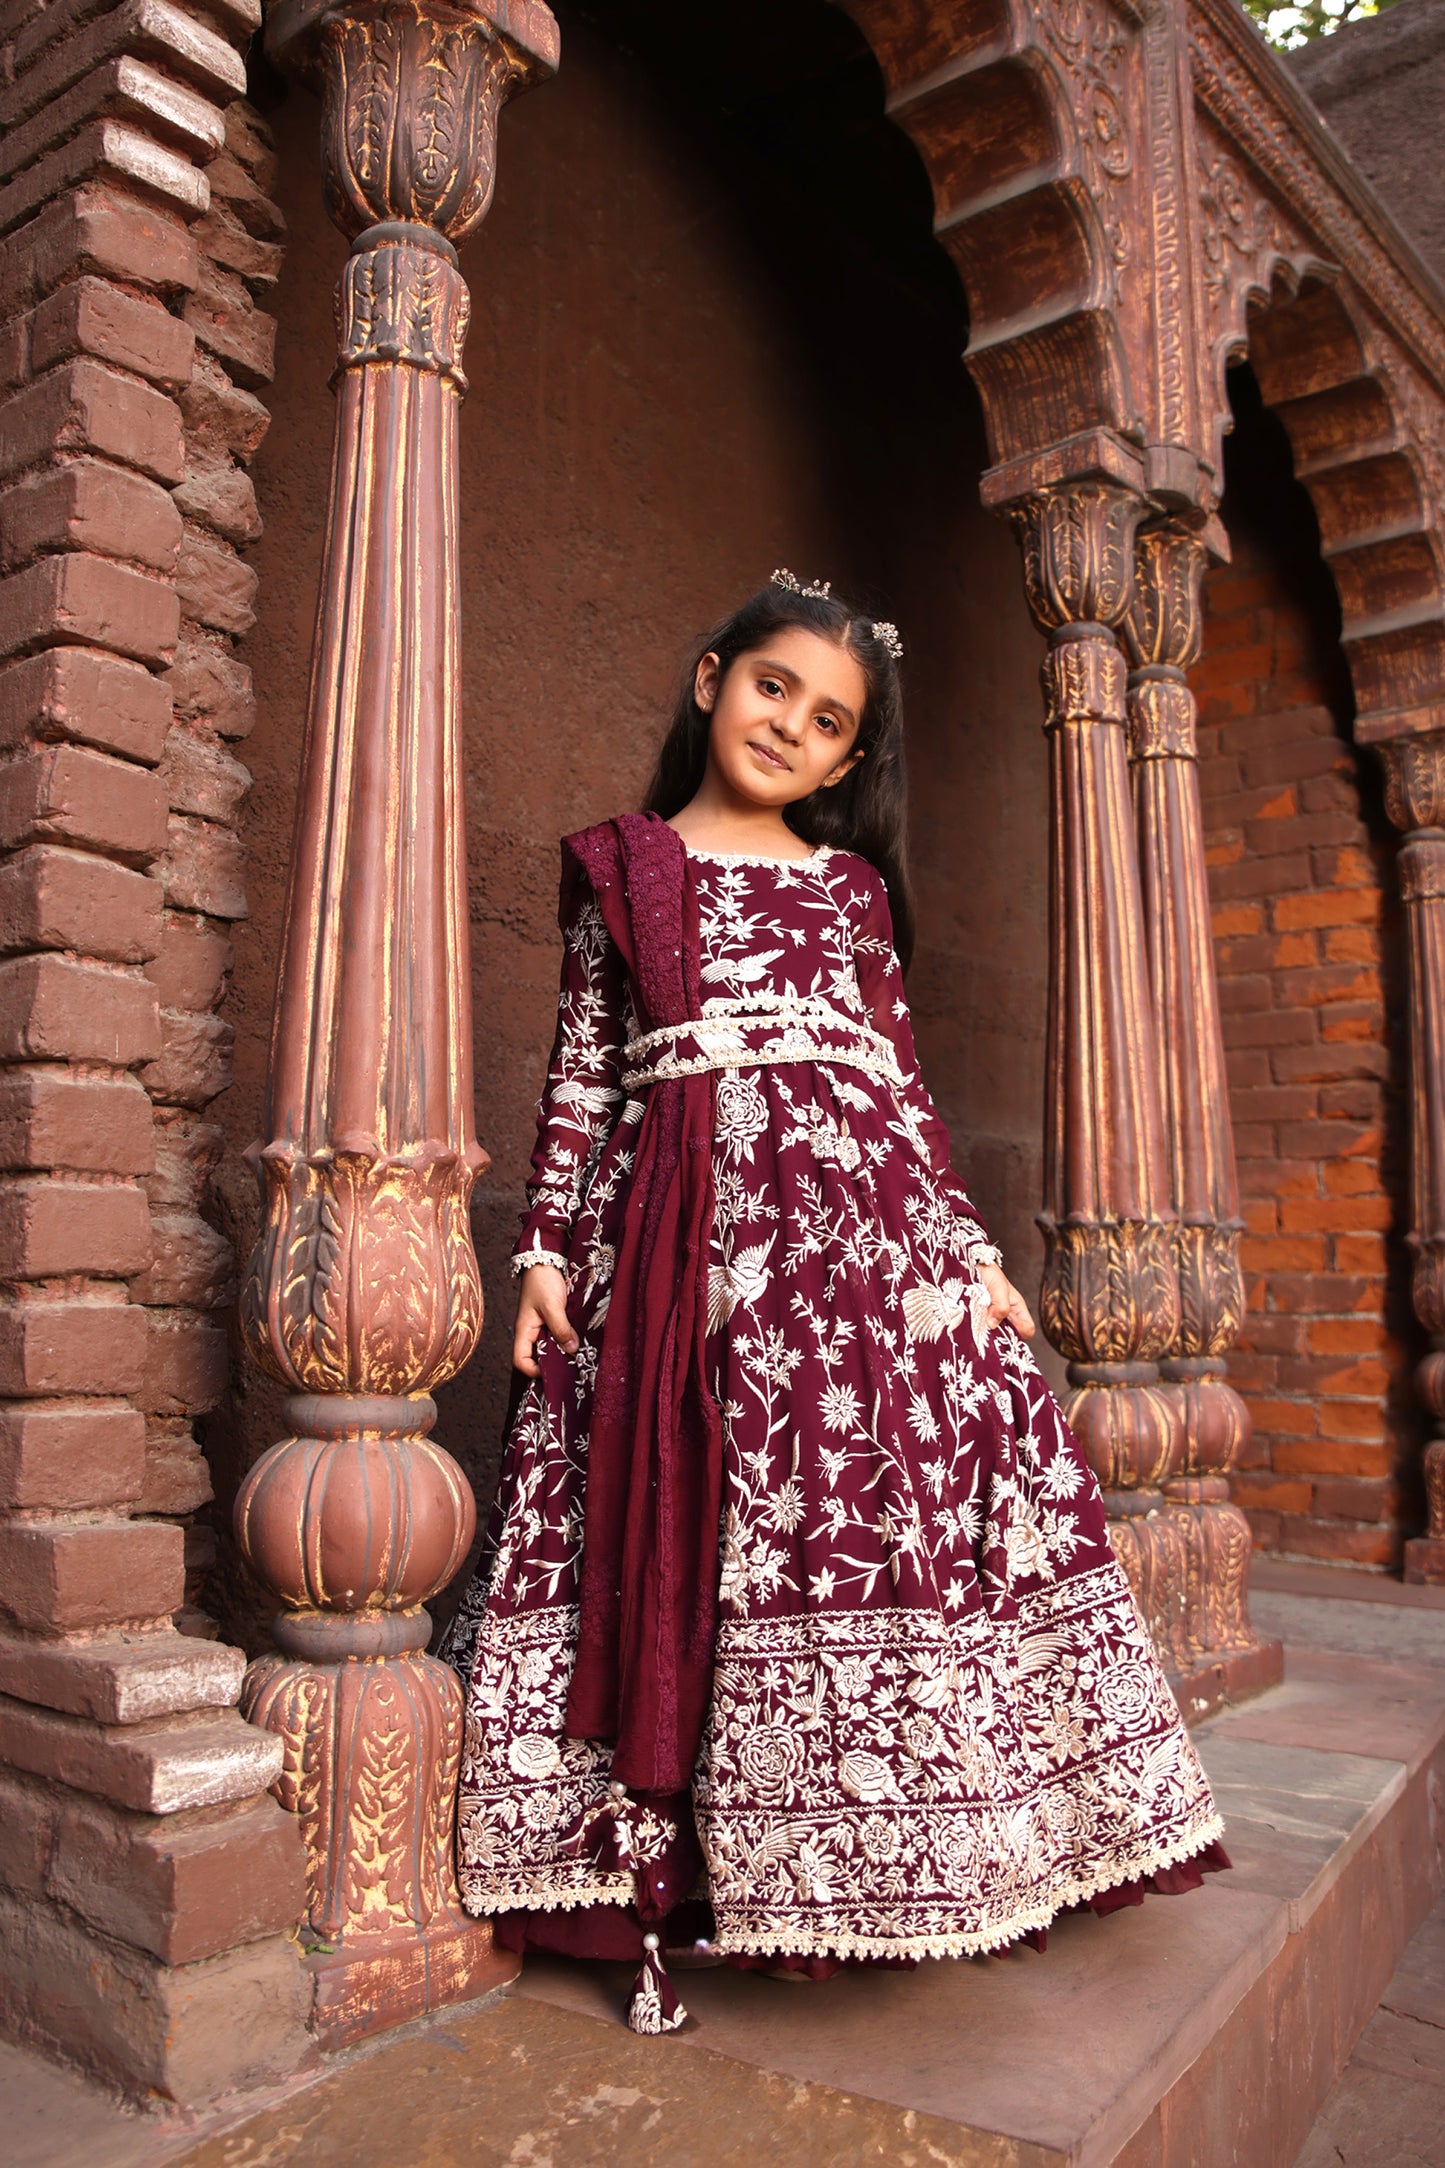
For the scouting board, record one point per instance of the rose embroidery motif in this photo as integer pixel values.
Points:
(769, 1760)
(533, 1756)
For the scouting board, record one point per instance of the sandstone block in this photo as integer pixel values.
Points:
(190, 967)
(68, 794)
(219, 493)
(78, 693)
(104, 233)
(49, 1350)
(90, 316)
(194, 1062)
(208, 685)
(186, 1363)
(159, 1767)
(204, 868)
(126, 1678)
(58, 899)
(218, 413)
(91, 600)
(58, 1576)
(51, 1118)
(49, 1228)
(186, 2033)
(181, 1888)
(216, 588)
(221, 236)
(28, 1817)
(177, 1478)
(86, 407)
(90, 504)
(68, 1456)
(54, 1009)
(191, 1266)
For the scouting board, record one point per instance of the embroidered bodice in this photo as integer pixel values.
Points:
(798, 964)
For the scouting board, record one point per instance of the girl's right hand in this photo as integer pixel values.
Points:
(541, 1307)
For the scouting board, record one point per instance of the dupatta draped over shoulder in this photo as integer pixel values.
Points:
(649, 1582)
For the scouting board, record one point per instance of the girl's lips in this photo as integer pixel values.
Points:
(765, 752)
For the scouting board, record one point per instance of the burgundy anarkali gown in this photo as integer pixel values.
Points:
(931, 1717)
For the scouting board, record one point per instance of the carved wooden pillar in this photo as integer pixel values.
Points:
(1415, 800)
(1110, 1298)
(1162, 630)
(363, 1292)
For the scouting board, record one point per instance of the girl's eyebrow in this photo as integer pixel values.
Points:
(780, 669)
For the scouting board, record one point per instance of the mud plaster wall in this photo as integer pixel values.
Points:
(668, 399)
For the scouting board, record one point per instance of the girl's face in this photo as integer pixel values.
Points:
(785, 718)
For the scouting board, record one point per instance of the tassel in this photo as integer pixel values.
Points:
(654, 2007)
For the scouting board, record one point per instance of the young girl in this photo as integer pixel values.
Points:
(800, 1630)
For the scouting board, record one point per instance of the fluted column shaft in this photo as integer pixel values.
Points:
(1110, 1298)
(1162, 631)
(1415, 800)
(363, 1292)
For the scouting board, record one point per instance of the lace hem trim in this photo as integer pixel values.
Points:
(521, 1259)
(791, 1938)
(745, 858)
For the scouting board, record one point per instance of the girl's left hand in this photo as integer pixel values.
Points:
(1005, 1303)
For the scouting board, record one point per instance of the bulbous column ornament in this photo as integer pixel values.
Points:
(1215, 1648)
(363, 1294)
(1110, 1296)
(1415, 801)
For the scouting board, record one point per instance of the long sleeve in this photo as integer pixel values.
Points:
(880, 981)
(583, 1094)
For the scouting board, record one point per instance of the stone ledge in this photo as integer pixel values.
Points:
(158, 1768)
(125, 1680)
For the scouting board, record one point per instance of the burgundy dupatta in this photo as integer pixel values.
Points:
(654, 1460)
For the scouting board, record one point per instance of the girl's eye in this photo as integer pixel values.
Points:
(769, 685)
(828, 723)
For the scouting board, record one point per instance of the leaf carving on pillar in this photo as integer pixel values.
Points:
(1077, 540)
(1165, 619)
(410, 107)
(364, 1279)
(403, 304)
(1211, 1289)
(1109, 1292)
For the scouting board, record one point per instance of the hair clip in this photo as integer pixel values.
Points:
(887, 634)
(820, 590)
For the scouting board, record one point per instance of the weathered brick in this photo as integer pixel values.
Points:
(69, 794)
(1327, 1455)
(121, 89)
(190, 1264)
(191, 966)
(100, 232)
(52, 898)
(249, 139)
(106, 151)
(1304, 1538)
(69, 1456)
(49, 1350)
(177, 1478)
(53, 1008)
(29, 1812)
(160, 1767)
(218, 413)
(60, 44)
(90, 599)
(124, 1677)
(194, 1062)
(221, 236)
(216, 588)
(1326, 907)
(62, 1576)
(53, 1118)
(91, 316)
(204, 869)
(187, 1152)
(202, 778)
(226, 320)
(50, 1227)
(219, 493)
(86, 407)
(79, 693)
(89, 504)
(183, 1887)
(186, 1364)
(208, 685)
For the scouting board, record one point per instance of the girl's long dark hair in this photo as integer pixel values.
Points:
(867, 811)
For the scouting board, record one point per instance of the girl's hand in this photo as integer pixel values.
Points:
(541, 1307)
(1004, 1302)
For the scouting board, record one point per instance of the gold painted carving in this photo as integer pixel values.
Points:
(1415, 781)
(1078, 542)
(1162, 721)
(1109, 1290)
(407, 304)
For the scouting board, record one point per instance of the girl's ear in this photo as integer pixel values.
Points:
(844, 768)
(705, 683)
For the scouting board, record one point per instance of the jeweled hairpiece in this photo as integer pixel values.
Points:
(884, 631)
(820, 590)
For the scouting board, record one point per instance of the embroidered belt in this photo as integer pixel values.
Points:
(756, 1035)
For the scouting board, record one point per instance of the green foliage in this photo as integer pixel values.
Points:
(1294, 25)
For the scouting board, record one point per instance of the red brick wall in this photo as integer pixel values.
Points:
(1308, 944)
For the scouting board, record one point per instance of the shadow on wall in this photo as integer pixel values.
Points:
(711, 334)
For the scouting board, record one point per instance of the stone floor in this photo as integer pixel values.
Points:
(1201, 2031)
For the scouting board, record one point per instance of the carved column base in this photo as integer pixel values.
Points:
(1425, 1555)
(1213, 1429)
(371, 1748)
